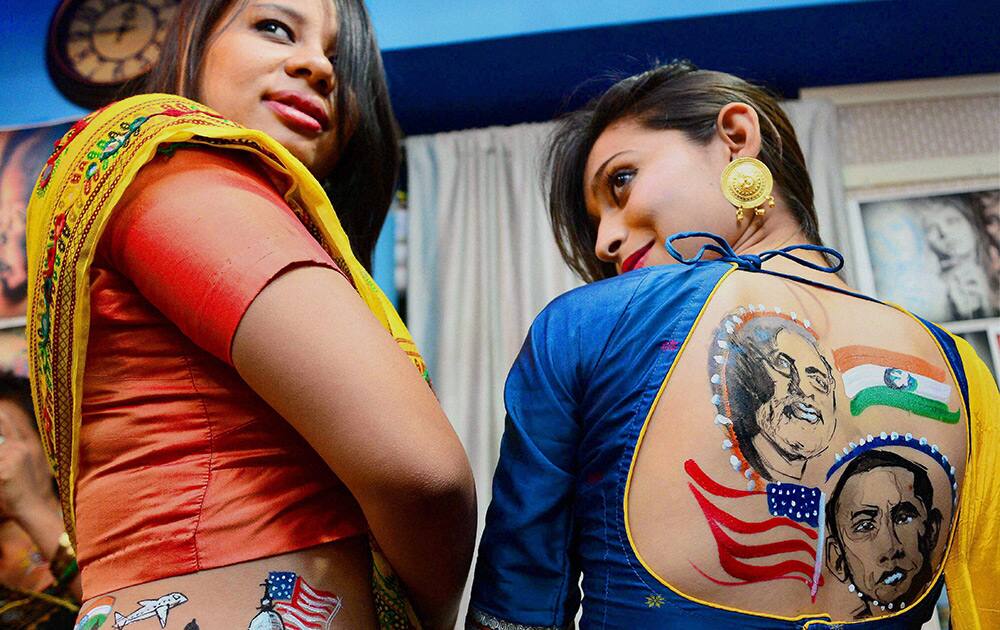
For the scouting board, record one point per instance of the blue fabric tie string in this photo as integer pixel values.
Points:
(751, 262)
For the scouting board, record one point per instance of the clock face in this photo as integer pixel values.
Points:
(96, 46)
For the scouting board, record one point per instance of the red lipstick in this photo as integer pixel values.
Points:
(635, 259)
(299, 111)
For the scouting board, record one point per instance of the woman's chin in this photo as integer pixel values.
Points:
(306, 151)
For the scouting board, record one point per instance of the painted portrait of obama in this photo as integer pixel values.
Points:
(882, 529)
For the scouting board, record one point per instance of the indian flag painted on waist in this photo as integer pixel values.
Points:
(880, 377)
(93, 615)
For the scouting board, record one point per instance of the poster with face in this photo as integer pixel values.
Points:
(938, 256)
(22, 156)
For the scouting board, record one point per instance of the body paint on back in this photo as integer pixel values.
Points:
(885, 520)
(149, 608)
(289, 602)
(775, 393)
(874, 520)
(880, 377)
(769, 540)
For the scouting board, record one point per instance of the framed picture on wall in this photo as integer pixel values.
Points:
(23, 153)
(13, 352)
(935, 254)
(984, 342)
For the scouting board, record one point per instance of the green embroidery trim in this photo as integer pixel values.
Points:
(390, 602)
(171, 148)
(888, 397)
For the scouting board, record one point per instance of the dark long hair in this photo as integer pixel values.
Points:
(362, 183)
(673, 96)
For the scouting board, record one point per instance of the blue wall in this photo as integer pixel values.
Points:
(30, 98)
(413, 23)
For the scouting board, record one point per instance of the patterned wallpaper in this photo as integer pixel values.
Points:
(911, 130)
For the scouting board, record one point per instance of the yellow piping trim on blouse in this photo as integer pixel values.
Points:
(811, 622)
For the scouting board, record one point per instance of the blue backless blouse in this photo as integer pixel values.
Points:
(577, 399)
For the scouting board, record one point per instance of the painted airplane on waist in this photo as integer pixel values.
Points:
(158, 608)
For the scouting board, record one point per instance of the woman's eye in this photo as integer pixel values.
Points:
(619, 180)
(275, 27)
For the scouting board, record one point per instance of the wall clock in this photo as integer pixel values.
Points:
(95, 47)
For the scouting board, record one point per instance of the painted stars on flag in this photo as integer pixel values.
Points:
(799, 503)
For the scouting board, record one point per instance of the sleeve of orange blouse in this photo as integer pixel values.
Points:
(200, 234)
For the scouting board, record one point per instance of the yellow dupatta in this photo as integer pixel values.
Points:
(86, 175)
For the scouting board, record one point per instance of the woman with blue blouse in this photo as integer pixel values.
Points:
(716, 431)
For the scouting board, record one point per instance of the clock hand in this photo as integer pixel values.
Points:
(126, 24)
(120, 30)
(124, 28)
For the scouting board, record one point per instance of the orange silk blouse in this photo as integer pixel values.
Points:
(182, 466)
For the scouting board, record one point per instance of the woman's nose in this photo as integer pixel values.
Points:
(313, 66)
(611, 233)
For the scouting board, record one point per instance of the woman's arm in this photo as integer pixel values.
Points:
(309, 346)
(208, 240)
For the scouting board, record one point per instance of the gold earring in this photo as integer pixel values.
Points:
(747, 184)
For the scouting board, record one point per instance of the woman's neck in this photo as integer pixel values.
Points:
(776, 230)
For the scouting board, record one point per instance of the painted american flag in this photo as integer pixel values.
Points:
(784, 547)
(301, 607)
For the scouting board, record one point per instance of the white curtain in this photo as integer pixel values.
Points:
(482, 263)
(815, 124)
(482, 260)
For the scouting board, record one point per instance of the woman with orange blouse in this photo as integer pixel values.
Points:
(242, 429)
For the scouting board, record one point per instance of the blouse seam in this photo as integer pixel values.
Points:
(563, 592)
(211, 461)
(611, 332)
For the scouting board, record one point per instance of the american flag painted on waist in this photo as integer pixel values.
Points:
(301, 606)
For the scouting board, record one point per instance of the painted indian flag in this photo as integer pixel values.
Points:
(93, 615)
(880, 377)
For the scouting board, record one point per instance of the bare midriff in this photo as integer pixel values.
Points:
(337, 589)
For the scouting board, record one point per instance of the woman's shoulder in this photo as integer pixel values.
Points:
(191, 181)
(618, 293)
(201, 171)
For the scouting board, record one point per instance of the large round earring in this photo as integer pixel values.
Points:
(747, 184)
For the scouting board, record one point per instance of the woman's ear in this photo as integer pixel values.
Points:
(739, 128)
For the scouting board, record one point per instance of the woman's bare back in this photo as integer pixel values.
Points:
(805, 456)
